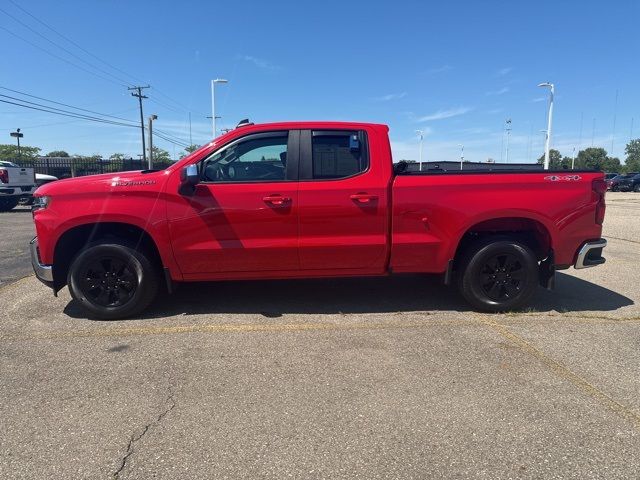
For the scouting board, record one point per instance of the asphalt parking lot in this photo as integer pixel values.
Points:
(356, 378)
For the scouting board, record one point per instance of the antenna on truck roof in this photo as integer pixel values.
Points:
(244, 123)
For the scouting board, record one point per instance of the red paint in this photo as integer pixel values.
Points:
(369, 224)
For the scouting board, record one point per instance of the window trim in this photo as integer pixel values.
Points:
(291, 170)
(306, 152)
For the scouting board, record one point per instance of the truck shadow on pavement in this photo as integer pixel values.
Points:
(272, 299)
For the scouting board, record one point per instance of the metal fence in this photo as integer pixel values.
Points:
(66, 167)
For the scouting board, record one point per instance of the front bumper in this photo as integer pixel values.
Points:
(590, 254)
(43, 272)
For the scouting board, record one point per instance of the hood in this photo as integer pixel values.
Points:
(107, 183)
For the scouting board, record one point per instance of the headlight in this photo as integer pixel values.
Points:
(40, 202)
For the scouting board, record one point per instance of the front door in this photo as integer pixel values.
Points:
(243, 215)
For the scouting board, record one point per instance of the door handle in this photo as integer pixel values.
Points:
(276, 200)
(363, 197)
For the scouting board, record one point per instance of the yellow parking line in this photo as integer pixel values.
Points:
(238, 328)
(564, 372)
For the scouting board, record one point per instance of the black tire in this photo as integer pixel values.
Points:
(112, 280)
(615, 188)
(498, 275)
(8, 203)
(636, 187)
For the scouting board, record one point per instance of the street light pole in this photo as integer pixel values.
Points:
(549, 120)
(461, 156)
(18, 136)
(213, 103)
(421, 136)
(151, 119)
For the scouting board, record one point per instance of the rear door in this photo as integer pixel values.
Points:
(342, 198)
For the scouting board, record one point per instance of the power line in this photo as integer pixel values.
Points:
(63, 104)
(80, 47)
(70, 114)
(63, 48)
(55, 109)
(72, 42)
(59, 57)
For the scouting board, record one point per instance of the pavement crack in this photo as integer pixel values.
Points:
(170, 405)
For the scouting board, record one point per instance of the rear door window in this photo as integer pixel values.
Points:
(338, 154)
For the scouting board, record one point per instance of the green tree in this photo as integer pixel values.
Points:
(9, 153)
(596, 158)
(57, 153)
(189, 150)
(632, 150)
(160, 155)
(556, 162)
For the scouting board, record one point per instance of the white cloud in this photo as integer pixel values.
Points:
(391, 96)
(442, 114)
(502, 91)
(260, 63)
(504, 71)
(442, 69)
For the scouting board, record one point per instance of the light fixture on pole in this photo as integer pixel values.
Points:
(18, 136)
(421, 136)
(549, 120)
(213, 103)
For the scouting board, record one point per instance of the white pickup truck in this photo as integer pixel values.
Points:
(15, 183)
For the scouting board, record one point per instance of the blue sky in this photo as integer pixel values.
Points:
(456, 70)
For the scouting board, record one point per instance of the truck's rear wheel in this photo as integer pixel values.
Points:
(498, 275)
(8, 203)
(112, 281)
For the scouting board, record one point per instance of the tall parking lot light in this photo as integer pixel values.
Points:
(550, 117)
(213, 103)
(421, 137)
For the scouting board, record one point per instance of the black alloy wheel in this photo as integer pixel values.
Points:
(108, 281)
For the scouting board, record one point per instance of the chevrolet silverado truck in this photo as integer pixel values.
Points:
(312, 199)
(16, 183)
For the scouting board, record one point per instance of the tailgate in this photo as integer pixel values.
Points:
(20, 176)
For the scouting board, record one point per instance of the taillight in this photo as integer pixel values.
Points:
(4, 176)
(599, 187)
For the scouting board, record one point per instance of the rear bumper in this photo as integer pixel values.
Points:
(590, 254)
(44, 273)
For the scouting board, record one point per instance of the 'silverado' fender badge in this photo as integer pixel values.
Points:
(132, 183)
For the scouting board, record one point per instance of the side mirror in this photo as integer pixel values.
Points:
(189, 178)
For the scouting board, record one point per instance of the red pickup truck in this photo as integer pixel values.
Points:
(312, 199)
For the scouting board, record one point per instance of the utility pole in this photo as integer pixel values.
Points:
(461, 156)
(190, 138)
(18, 136)
(137, 92)
(151, 119)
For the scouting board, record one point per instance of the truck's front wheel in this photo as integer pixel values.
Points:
(498, 275)
(112, 281)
